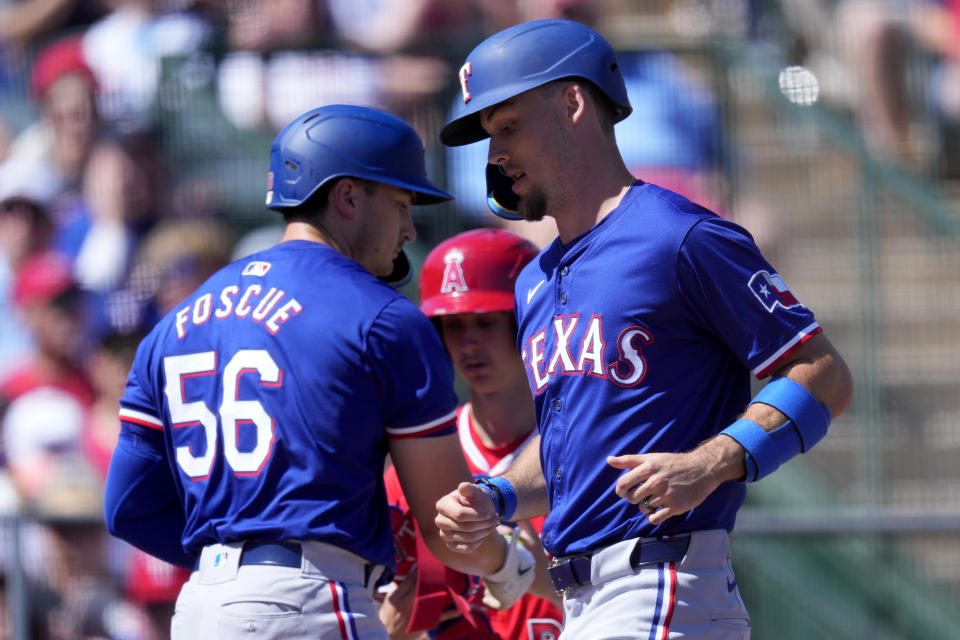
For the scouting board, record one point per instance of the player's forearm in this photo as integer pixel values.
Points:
(140, 504)
(487, 558)
(526, 476)
(793, 412)
(442, 455)
(720, 459)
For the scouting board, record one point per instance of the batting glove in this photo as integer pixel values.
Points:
(505, 586)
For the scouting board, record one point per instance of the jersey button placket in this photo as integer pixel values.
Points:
(562, 297)
(557, 403)
(557, 406)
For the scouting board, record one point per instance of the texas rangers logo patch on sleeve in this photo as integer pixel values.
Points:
(771, 291)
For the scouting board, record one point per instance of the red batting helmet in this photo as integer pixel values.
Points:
(473, 272)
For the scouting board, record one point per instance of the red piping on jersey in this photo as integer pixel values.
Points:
(142, 423)
(776, 363)
(440, 427)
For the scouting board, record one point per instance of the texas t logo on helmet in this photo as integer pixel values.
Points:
(465, 71)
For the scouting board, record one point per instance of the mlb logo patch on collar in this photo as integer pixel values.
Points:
(256, 268)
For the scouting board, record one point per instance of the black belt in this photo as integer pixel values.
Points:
(574, 571)
(288, 554)
(278, 554)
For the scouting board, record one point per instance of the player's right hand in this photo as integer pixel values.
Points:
(465, 517)
(670, 484)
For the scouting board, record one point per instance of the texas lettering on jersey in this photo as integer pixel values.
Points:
(627, 370)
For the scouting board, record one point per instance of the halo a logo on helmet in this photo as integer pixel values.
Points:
(453, 279)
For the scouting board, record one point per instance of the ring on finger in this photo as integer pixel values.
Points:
(647, 505)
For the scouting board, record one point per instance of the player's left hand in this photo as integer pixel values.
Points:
(397, 606)
(664, 484)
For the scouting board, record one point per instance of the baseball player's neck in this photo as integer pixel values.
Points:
(312, 233)
(599, 191)
(501, 418)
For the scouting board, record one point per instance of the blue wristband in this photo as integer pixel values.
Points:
(508, 493)
(753, 438)
(494, 492)
(807, 423)
(810, 416)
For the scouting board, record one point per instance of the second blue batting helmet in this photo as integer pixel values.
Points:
(341, 140)
(526, 56)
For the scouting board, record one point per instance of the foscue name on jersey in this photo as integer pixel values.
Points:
(266, 309)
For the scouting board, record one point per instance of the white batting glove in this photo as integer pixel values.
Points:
(505, 586)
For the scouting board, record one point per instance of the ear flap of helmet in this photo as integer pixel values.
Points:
(402, 272)
(500, 196)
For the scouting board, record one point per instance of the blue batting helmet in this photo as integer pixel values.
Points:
(341, 140)
(526, 56)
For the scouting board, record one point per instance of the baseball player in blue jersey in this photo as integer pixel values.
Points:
(257, 415)
(639, 326)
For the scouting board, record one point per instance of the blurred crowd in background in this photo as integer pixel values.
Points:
(117, 200)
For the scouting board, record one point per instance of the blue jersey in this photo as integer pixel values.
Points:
(640, 336)
(272, 392)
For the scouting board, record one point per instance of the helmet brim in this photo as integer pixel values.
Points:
(467, 302)
(466, 128)
(424, 192)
